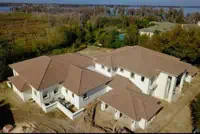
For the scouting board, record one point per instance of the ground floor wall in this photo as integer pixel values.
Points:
(25, 96)
(143, 123)
(79, 101)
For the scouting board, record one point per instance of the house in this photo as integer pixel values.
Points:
(130, 80)
(154, 73)
(128, 102)
(61, 81)
(159, 26)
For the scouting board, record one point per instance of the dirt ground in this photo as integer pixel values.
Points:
(174, 117)
(29, 117)
(95, 51)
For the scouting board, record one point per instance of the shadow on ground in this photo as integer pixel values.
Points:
(6, 116)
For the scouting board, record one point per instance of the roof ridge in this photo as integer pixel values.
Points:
(44, 73)
(80, 81)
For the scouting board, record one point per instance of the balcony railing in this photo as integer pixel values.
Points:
(68, 112)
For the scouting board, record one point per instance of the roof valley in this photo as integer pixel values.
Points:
(44, 74)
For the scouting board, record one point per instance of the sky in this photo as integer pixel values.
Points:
(126, 2)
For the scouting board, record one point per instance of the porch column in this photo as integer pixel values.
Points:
(133, 125)
(172, 88)
(182, 82)
(103, 106)
(117, 115)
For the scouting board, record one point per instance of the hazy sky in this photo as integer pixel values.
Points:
(133, 2)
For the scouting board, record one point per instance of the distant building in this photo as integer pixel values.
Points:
(198, 23)
(159, 26)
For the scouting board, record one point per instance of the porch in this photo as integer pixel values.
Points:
(113, 117)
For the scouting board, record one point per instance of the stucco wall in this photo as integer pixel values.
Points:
(20, 94)
(15, 73)
(92, 95)
(143, 85)
(25, 96)
(104, 71)
(78, 100)
(188, 78)
(150, 34)
(162, 83)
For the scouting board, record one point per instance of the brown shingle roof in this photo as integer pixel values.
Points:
(43, 72)
(133, 104)
(123, 83)
(32, 70)
(19, 83)
(143, 61)
(80, 80)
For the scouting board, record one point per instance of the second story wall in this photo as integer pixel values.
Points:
(107, 71)
(140, 81)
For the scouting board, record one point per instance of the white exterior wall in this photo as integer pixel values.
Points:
(150, 34)
(36, 97)
(104, 71)
(15, 73)
(92, 95)
(142, 123)
(39, 94)
(78, 100)
(25, 96)
(69, 97)
(172, 88)
(162, 83)
(188, 78)
(143, 85)
(20, 94)
(50, 91)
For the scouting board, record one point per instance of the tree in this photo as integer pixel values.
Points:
(132, 35)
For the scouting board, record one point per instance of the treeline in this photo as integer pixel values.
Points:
(179, 42)
(170, 14)
(24, 36)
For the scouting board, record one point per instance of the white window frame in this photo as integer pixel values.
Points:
(57, 91)
(44, 98)
(102, 66)
(85, 98)
(132, 75)
(142, 78)
(35, 93)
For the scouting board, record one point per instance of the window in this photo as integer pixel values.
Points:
(142, 78)
(73, 95)
(121, 70)
(55, 91)
(35, 93)
(45, 95)
(109, 69)
(102, 66)
(66, 91)
(132, 75)
(85, 97)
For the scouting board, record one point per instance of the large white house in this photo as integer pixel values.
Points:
(127, 80)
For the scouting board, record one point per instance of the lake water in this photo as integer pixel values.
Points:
(5, 9)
